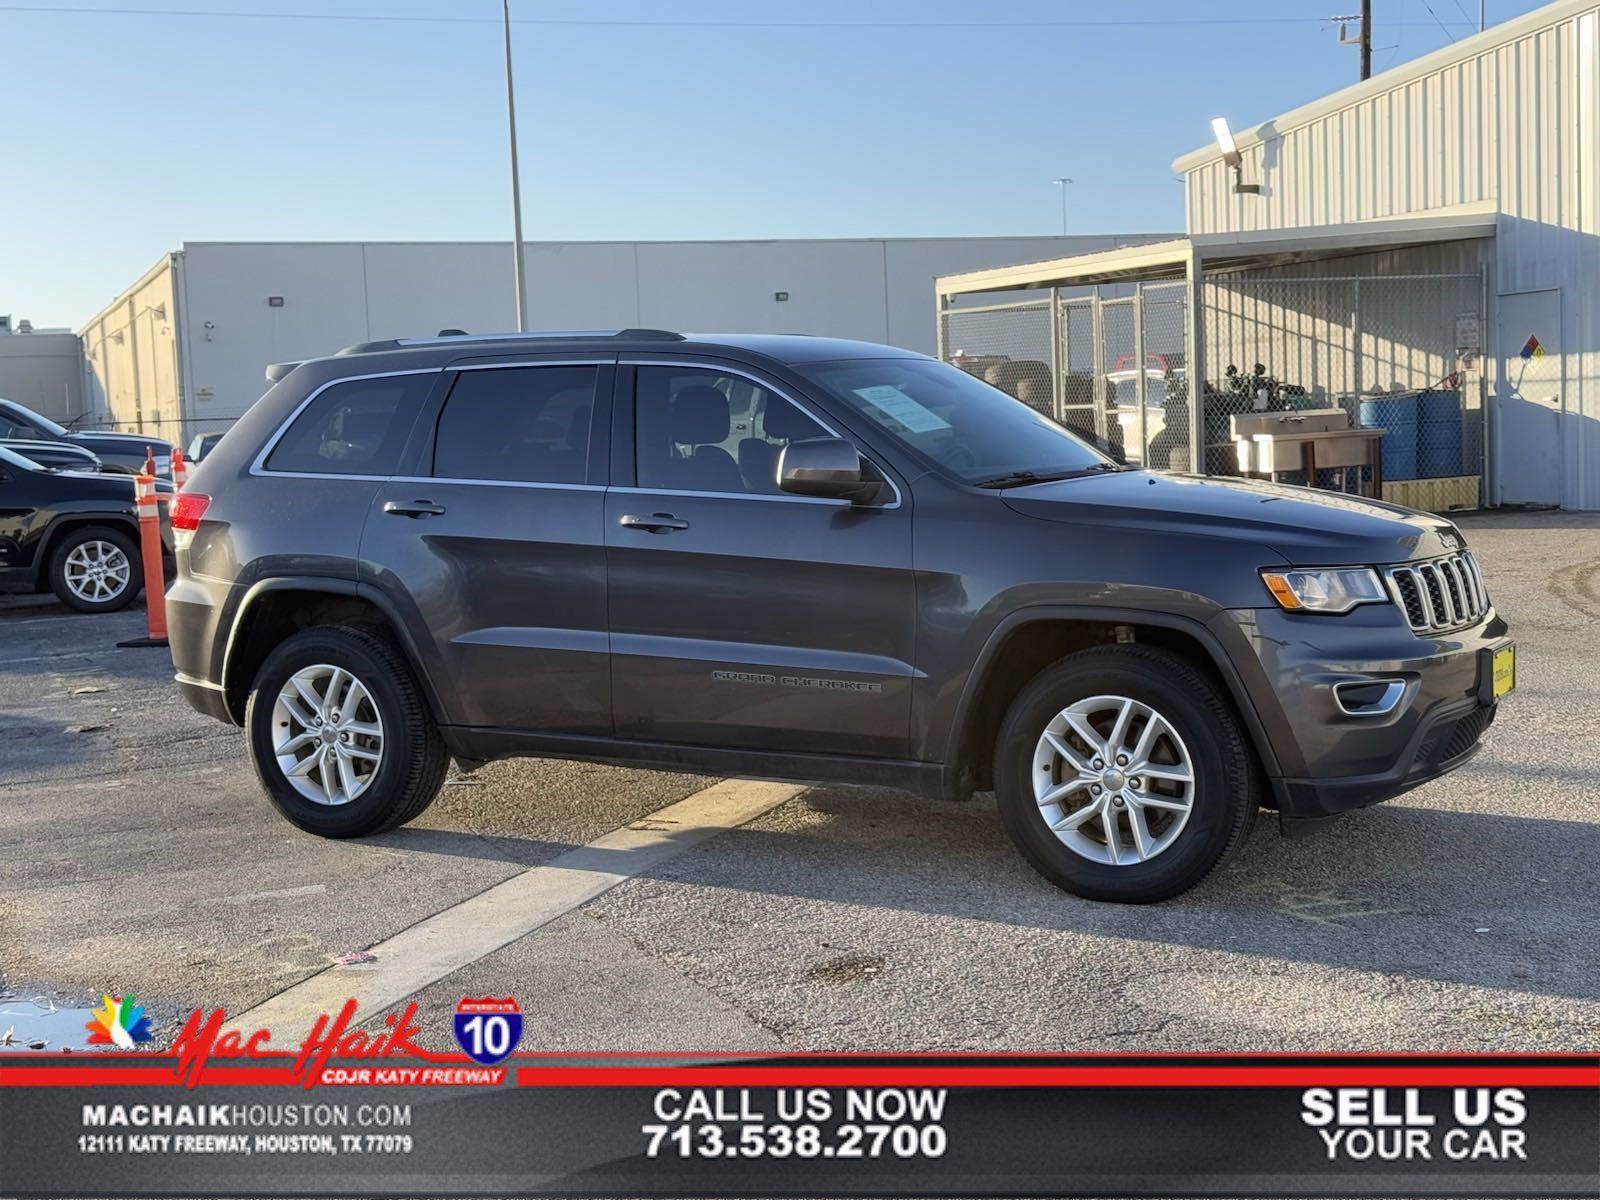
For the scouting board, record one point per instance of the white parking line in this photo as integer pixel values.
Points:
(460, 935)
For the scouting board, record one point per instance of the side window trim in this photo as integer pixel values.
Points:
(763, 382)
(258, 464)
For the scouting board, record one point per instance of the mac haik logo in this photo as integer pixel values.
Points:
(205, 1038)
(488, 1029)
(120, 1023)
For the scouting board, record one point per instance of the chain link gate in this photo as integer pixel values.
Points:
(1007, 345)
(1088, 374)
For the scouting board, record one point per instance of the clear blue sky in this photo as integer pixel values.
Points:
(126, 134)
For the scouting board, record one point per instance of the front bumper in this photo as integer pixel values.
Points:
(1334, 760)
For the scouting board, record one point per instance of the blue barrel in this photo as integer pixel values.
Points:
(1398, 415)
(1439, 449)
(1437, 407)
(1439, 434)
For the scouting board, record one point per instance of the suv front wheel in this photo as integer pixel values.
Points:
(1123, 774)
(340, 735)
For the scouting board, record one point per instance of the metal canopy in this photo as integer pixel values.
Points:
(1231, 252)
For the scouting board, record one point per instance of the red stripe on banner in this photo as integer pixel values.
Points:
(1298, 1077)
(142, 1076)
(1509, 1074)
(991, 1057)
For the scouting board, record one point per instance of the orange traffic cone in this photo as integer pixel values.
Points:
(155, 584)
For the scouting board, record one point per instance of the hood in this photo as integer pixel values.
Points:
(123, 442)
(99, 485)
(1308, 528)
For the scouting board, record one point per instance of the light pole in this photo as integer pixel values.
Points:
(1063, 183)
(516, 183)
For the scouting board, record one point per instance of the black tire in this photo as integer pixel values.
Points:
(1226, 784)
(56, 572)
(412, 767)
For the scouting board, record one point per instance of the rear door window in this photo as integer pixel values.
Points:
(517, 424)
(357, 427)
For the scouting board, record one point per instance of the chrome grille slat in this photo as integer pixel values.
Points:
(1440, 594)
(1471, 561)
(1440, 616)
(1457, 588)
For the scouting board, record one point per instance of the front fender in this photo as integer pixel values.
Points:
(1219, 638)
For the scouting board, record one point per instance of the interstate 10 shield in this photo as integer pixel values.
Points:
(488, 1029)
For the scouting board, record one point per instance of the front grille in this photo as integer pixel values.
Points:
(1442, 593)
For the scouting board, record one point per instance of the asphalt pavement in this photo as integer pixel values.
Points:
(137, 855)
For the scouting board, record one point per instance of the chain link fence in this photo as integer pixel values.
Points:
(1400, 353)
(1007, 345)
(1078, 360)
(179, 432)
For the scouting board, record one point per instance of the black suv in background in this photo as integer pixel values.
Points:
(75, 533)
(120, 452)
(890, 573)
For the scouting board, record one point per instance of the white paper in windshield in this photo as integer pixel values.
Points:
(892, 402)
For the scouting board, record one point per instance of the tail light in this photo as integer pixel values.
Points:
(187, 510)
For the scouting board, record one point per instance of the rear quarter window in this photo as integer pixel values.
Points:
(357, 427)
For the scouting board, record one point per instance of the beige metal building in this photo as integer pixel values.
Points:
(183, 349)
(1433, 229)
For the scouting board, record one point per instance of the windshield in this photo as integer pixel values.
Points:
(29, 417)
(975, 431)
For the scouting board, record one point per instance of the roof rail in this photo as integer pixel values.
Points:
(454, 336)
(276, 371)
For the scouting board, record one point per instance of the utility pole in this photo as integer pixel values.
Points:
(1063, 183)
(517, 266)
(1366, 39)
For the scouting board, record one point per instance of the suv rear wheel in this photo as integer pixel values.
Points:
(340, 735)
(1122, 774)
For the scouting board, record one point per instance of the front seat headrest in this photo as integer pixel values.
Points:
(785, 420)
(699, 416)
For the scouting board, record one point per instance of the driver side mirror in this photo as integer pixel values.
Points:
(829, 467)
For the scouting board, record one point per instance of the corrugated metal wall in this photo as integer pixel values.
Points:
(1502, 125)
(1515, 123)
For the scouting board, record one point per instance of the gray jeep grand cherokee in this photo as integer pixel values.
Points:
(812, 559)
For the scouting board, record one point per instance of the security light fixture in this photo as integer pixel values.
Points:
(780, 297)
(1231, 156)
(274, 301)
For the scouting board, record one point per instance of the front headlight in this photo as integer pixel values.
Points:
(1326, 590)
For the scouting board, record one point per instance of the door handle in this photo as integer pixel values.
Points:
(655, 523)
(413, 508)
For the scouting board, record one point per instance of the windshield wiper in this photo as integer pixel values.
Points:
(1019, 478)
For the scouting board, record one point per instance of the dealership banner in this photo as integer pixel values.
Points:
(358, 1114)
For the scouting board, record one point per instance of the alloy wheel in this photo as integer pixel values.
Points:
(327, 734)
(1113, 780)
(97, 571)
